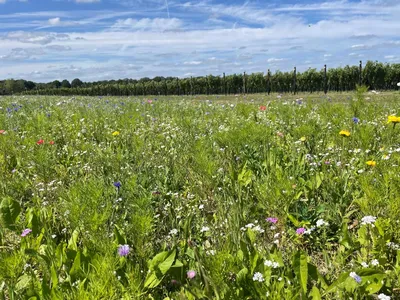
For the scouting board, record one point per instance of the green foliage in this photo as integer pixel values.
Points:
(244, 197)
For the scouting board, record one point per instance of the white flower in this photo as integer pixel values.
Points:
(364, 264)
(368, 220)
(398, 84)
(250, 225)
(201, 206)
(204, 229)
(268, 263)
(375, 262)
(308, 231)
(258, 277)
(383, 296)
(173, 232)
(259, 229)
(321, 222)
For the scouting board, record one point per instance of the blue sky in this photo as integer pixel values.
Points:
(44, 40)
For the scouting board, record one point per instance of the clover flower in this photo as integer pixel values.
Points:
(191, 274)
(26, 231)
(272, 220)
(301, 230)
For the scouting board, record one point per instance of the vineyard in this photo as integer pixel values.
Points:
(376, 76)
(202, 197)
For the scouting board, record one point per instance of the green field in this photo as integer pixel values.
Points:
(203, 197)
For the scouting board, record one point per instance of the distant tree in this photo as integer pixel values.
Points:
(65, 84)
(76, 83)
(55, 84)
(29, 85)
(12, 86)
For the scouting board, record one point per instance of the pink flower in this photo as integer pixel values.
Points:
(26, 232)
(272, 220)
(191, 274)
(300, 230)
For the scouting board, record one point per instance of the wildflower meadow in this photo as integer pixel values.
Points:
(200, 197)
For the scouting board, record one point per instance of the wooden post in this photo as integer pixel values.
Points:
(224, 83)
(207, 85)
(294, 81)
(191, 85)
(244, 82)
(360, 79)
(178, 86)
(268, 82)
(325, 85)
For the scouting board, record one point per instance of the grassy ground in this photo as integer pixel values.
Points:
(204, 197)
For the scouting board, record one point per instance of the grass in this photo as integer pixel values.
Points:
(188, 184)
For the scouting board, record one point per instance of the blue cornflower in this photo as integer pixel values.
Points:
(117, 184)
(356, 120)
(355, 277)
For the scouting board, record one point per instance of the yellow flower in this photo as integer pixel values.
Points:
(344, 133)
(115, 133)
(303, 139)
(393, 119)
(371, 163)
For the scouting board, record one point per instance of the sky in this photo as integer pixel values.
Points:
(46, 40)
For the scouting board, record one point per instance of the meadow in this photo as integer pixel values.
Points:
(200, 197)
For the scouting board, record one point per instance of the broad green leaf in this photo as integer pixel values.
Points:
(241, 275)
(151, 281)
(119, 236)
(76, 266)
(9, 212)
(23, 282)
(167, 263)
(301, 269)
(315, 294)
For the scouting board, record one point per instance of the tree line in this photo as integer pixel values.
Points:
(376, 75)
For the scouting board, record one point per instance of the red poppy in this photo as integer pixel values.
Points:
(51, 142)
(262, 107)
(2, 131)
(40, 142)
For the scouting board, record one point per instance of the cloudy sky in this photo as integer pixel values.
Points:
(44, 40)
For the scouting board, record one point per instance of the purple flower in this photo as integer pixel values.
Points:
(191, 274)
(117, 184)
(355, 277)
(355, 120)
(26, 232)
(123, 250)
(300, 230)
(272, 220)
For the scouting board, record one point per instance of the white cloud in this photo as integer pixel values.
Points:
(274, 60)
(54, 21)
(195, 63)
(157, 24)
